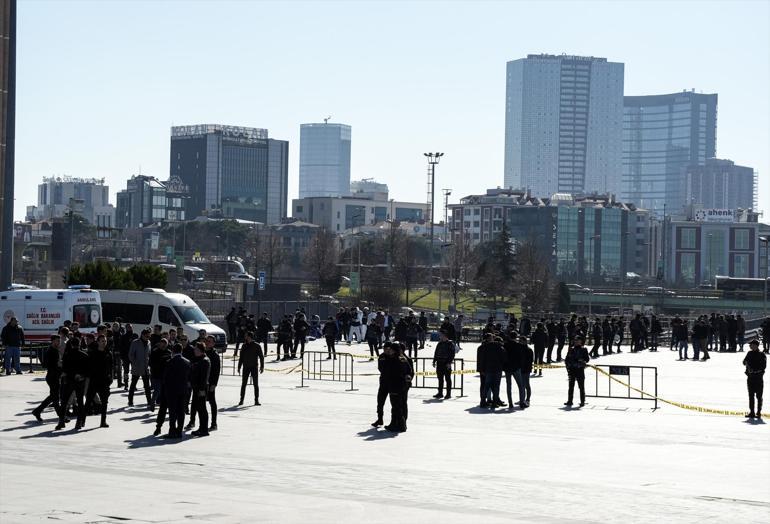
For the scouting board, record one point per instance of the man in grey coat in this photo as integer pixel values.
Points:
(139, 356)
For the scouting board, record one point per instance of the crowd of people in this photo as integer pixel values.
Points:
(179, 377)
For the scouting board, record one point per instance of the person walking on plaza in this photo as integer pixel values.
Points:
(398, 379)
(99, 380)
(75, 368)
(124, 342)
(655, 331)
(215, 366)
(383, 365)
(252, 361)
(539, 340)
(331, 333)
(12, 338)
(356, 318)
(199, 383)
(53, 369)
(513, 370)
(231, 319)
(301, 328)
(596, 335)
(139, 356)
(422, 321)
(373, 336)
(159, 357)
(575, 362)
(755, 363)
(285, 336)
(741, 331)
(264, 327)
(443, 356)
(176, 387)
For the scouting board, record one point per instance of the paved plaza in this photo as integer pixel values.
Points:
(310, 455)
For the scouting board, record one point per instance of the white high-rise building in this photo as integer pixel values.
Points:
(564, 125)
(324, 160)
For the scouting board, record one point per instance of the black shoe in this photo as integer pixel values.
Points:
(189, 426)
(759, 415)
(483, 405)
(582, 404)
(156, 432)
(393, 429)
(256, 403)
(200, 433)
(568, 403)
(213, 427)
(240, 403)
(438, 395)
(448, 395)
(104, 425)
(60, 426)
(377, 423)
(78, 426)
(37, 416)
(130, 404)
(500, 404)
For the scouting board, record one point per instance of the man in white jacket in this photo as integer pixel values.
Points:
(356, 320)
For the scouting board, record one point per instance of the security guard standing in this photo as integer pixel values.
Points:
(575, 361)
(755, 363)
(443, 356)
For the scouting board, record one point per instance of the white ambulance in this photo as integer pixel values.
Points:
(155, 306)
(41, 312)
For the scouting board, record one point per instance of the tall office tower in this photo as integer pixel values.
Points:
(56, 194)
(720, 184)
(563, 124)
(662, 136)
(237, 171)
(324, 160)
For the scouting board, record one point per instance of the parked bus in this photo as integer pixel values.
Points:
(742, 287)
(41, 312)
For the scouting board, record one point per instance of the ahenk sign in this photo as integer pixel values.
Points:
(715, 215)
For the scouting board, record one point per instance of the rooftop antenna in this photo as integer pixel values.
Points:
(326, 120)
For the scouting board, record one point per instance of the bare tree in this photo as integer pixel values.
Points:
(321, 260)
(534, 275)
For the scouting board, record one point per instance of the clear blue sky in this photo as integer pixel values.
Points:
(101, 82)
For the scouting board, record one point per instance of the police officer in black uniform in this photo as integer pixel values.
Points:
(199, 382)
(383, 363)
(443, 356)
(575, 362)
(75, 368)
(99, 380)
(252, 361)
(755, 363)
(52, 363)
(176, 388)
(215, 369)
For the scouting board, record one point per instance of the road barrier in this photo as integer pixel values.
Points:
(425, 377)
(623, 386)
(317, 366)
(33, 352)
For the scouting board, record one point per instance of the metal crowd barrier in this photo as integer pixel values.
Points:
(33, 352)
(316, 366)
(425, 376)
(637, 380)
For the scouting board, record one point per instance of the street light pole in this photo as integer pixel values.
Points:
(591, 271)
(765, 240)
(433, 159)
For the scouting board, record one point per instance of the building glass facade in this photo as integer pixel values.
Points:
(662, 136)
(324, 160)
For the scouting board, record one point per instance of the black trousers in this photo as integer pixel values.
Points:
(558, 350)
(199, 409)
(330, 346)
(252, 372)
(577, 375)
(551, 344)
(373, 350)
(176, 406)
(211, 396)
(52, 398)
(67, 389)
(298, 342)
(595, 348)
(444, 373)
(126, 368)
(162, 410)
(755, 387)
(399, 410)
(382, 395)
(103, 390)
(539, 358)
(262, 339)
(233, 329)
(411, 343)
(145, 385)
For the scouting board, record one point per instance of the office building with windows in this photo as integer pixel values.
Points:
(563, 124)
(720, 184)
(146, 201)
(662, 136)
(89, 197)
(324, 160)
(237, 165)
(336, 214)
(703, 243)
(577, 236)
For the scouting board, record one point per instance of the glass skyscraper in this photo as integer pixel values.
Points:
(662, 136)
(563, 124)
(237, 170)
(324, 160)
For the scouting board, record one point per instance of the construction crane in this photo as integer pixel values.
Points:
(326, 120)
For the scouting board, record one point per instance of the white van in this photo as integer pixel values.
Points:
(155, 306)
(41, 312)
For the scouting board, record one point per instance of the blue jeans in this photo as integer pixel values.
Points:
(516, 375)
(12, 358)
(682, 345)
(492, 386)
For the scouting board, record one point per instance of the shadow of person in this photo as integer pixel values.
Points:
(25, 425)
(61, 433)
(752, 421)
(375, 434)
(151, 441)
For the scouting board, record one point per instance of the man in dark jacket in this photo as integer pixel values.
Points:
(490, 362)
(99, 380)
(575, 362)
(252, 361)
(264, 327)
(75, 369)
(139, 355)
(383, 365)
(539, 340)
(513, 357)
(412, 335)
(398, 377)
(216, 368)
(159, 357)
(199, 383)
(12, 338)
(596, 334)
(331, 335)
(551, 327)
(176, 387)
(443, 356)
(655, 331)
(124, 344)
(52, 363)
(301, 328)
(284, 338)
(755, 363)
(232, 325)
(422, 321)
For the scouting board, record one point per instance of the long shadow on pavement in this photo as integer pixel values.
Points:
(61, 433)
(476, 410)
(151, 441)
(375, 434)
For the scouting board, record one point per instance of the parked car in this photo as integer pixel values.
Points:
(242, 277)
(576, 288)
(657, 290)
